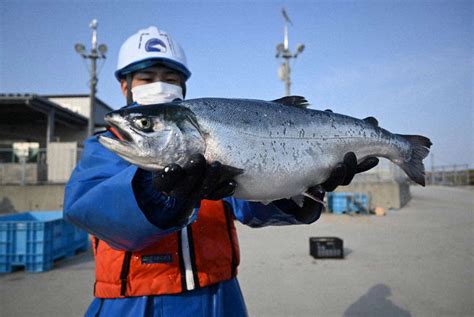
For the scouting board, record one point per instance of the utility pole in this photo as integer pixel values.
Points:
(283, 51)
(432, 170)
(95, 54)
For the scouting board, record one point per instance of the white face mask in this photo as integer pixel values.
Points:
(157, 92)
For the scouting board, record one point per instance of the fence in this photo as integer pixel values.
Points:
(446, 175)
(450, 175)
(37, 167)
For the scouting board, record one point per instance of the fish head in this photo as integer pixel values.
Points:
(154, 136)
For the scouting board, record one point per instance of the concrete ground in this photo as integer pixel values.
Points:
(417, 261)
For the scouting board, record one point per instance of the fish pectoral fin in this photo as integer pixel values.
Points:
(230, 172)
(293, 101)
(315, 193)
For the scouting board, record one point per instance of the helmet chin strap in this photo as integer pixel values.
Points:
(183, 86)
(129, 89)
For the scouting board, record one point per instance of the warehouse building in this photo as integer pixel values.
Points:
(47, 118)
(41, 139)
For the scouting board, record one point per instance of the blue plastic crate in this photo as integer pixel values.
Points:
(341, 202)
(35, 239)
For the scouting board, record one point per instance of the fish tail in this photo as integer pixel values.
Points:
(420, 148)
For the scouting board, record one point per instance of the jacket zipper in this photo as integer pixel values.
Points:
(124, 273)
(96, 244)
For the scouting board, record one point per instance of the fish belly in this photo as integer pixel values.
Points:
(273, 168)
(282, 168)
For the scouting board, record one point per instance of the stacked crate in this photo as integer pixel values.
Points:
(34, 240)
(340, 203)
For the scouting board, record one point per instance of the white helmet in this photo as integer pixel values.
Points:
(148, 47)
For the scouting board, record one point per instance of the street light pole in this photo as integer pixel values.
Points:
(93, 83)
(283, 51)
(95, 54)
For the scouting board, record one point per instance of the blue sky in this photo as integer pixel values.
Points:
(407, 63)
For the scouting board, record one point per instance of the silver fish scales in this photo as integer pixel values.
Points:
(281, 147)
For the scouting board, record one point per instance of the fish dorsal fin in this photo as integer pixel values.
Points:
(294, 101)
(372, 121)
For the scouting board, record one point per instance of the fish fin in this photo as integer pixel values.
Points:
(371, 121)
(299, 200)
(230, 172)
(294, 101)
(313, 197)
(414, 166)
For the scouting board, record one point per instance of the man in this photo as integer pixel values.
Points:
(165, 243)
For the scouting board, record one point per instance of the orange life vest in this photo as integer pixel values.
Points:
(204, 253)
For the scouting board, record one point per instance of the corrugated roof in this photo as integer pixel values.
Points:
(43, 105)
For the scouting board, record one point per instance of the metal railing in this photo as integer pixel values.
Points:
(446, 175)
(450, 175)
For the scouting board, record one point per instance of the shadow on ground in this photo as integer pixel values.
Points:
(376, 303)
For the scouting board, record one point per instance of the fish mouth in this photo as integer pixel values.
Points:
(120, 133)
(123, 142)
(124, 149)
(129, 152)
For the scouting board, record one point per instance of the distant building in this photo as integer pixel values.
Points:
(47, 118)
(41, 136)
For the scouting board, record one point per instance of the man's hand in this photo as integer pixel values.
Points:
(196, 180)
(310, 209)
(345, 171)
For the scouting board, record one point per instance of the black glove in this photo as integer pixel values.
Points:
(197, 180)
(311, 209)
(345, 171)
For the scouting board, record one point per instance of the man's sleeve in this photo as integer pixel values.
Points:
(100, 199)
(255, 214)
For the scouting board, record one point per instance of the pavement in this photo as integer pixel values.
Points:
(416, 261)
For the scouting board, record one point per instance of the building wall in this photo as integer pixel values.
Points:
(385, 194)
(61, 158)
(66, 134)
(17, 173)
(16, 198)
(77, 104)
(81, 105)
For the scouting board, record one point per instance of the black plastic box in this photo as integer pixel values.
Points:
(326, 248)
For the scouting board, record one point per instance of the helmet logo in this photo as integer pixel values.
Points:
(155, 45)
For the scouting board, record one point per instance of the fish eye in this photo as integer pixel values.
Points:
(143, 123)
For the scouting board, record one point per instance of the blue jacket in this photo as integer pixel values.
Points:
(100, 199)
